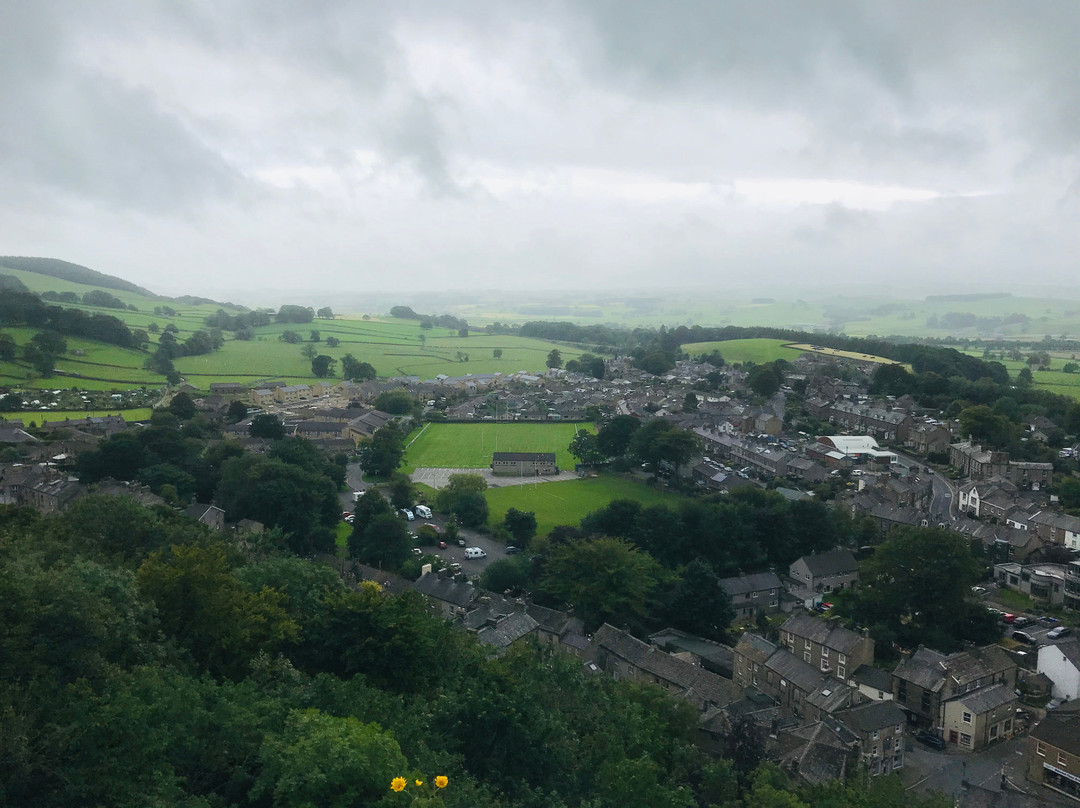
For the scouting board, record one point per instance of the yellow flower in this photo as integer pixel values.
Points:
(441, 781)
(398, 784)
(419, 783)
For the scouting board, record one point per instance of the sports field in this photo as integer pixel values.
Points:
(41, 417)
(469, 446)
(565, 503)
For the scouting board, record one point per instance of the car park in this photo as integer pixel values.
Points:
(933, 740)
(1058, 633)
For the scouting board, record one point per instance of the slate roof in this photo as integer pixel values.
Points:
(823, 632)
(507, 629)
(876, 715)
(987, 698)
(755, 582)
(801, 674)
(695, 683)
(755, 648)
(445, 589)
(873, 677)
(1060, 730)
(928, 669)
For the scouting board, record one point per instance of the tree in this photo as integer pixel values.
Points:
(655, 362)
(316, 336)
(290, 337)
(520, 524)
(384, 452)
(1070, 367)
(1024, 378)
(205, 610)
(325, 760)
(463, 497)
(182, 406)
(266, 426)
(237, 411)
(323, 366)
(498, 352)
(395, 402)
(660, 441)
(332, 342)
(690, 402)
(586, 448)
(402, 493)
(355, 370)
(604, 579)
(309, 352)
(463, 331)
(506, 575)
(383, 543)
(554, 358)
(765, 380)
(325, 313)
(699, 605)
(916, 582)
(614, 438)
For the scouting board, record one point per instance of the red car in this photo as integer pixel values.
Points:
(442, 545)
(1009, 618)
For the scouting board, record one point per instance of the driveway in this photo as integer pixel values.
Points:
(440, 478)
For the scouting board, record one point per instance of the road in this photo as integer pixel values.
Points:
(943, 506)
(928, 770)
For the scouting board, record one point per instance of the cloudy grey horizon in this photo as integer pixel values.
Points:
(196, 147)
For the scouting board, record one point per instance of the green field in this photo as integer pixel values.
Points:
(469, 446)
(393, 347)
(734, 351)
(41, 417)
(565, 503)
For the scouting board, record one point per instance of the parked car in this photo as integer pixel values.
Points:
(1024, 637)
(1008, 618)
(1056, 633)
(461, 542)
(1046, 620)
(979, 590)
(442, 545)
(512, 550)
(475, 552)
(1022, 621)
(433, 526)
(417, 551)
(931, 739)
(407, 514)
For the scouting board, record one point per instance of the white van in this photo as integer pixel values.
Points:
(423, 511)
(356, 495)
(474, 552)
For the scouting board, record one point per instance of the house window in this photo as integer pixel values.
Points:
(1040, 749)
(755, 679)
(899, 727)
(876, 734)
(806, 644)
(841, 671)
(965, 739)
(841, 658)
(824, 653)
(806, 656)
(993, 731)
(966, 718)
(1061, 759)
(925, 703)
(901, 692)
(1007, 726)
(772, 602)
(898, 744)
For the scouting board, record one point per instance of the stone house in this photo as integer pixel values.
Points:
(974, 719)
(209, 515)
(449, 598)
(751, 654)
(827, 646)
(802, 690)
(751, 593)
(879, 727)
(825, 572)
(926, 680)
(626, 657)
(1059, 528)
(1053, 753)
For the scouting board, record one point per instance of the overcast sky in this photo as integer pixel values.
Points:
(197, 147)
